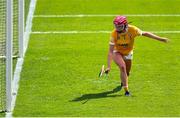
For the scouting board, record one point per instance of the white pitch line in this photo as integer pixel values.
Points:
(95, 32)
(106, 15)
(71, 32)
(166, 32)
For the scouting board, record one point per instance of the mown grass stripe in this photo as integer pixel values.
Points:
(95, 32)
(107, 15)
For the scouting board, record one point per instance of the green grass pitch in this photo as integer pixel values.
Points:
(60, 72)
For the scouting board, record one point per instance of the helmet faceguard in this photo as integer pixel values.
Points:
(120, 23)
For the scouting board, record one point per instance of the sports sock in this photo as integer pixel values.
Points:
(126, 89)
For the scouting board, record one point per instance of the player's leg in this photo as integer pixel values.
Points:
(122, 67)
(128, 61)
(128, 66)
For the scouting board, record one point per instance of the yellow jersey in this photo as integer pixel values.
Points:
(124, 42)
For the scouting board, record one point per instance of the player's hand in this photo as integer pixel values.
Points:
(107, 70)
(165, 40)
(103, 71)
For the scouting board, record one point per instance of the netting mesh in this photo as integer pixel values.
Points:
(2, 53)
(3, 47)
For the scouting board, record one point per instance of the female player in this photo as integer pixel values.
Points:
(121, 47)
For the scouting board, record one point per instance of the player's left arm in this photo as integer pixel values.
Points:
(156, 37)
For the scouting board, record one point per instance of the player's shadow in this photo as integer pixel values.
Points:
(87, 97)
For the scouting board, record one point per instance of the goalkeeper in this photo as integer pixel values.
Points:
(121, 47)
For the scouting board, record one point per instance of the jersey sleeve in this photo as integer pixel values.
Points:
(138, 32)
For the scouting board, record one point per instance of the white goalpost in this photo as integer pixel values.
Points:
(8, 56)
(11, 47)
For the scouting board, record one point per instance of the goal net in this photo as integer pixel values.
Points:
(2, 54)
(11, 46)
